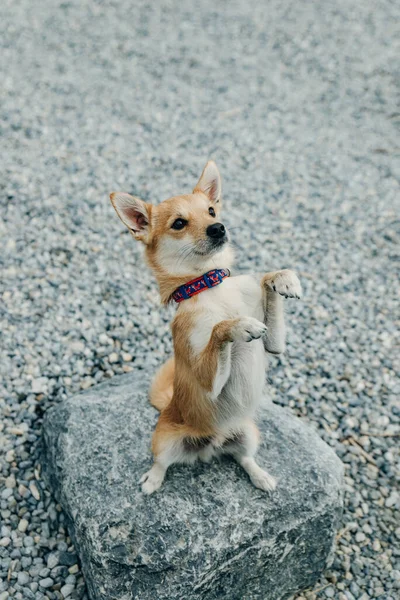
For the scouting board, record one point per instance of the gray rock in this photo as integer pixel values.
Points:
(46, 583)
(53, 560)
(67, 590)
(23, 578)
(208, 532)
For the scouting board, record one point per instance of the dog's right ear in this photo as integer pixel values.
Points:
(134, 213)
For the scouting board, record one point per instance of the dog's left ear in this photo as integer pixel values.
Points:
(210, 182)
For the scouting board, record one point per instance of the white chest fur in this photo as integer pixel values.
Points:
(236, 297)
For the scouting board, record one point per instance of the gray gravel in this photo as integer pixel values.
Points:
(297, 104)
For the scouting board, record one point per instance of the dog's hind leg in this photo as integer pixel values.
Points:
(162, 388)
(243, 446)
(172, 443)
(167, 450)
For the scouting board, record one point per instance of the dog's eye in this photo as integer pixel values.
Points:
(211, 211)
(179, 224)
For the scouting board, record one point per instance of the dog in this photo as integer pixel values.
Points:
(209, 391)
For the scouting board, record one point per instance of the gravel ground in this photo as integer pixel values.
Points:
(296, 101)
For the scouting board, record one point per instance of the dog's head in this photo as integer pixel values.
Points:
(183, 235)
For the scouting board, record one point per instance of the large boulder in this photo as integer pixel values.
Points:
(208, 533)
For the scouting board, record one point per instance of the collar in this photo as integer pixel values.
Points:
(208, 280)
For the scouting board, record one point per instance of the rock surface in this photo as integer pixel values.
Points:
(207, 533)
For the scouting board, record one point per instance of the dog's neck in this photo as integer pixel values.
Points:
(168, 282)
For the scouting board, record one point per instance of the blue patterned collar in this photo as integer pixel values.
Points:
(208, 280)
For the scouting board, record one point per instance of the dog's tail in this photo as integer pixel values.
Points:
(162, 388)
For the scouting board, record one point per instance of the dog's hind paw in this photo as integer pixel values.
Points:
(152, 480)
(264, 481)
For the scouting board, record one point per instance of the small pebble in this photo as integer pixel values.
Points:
(34, 490)
(67, 590)
(52, 560)
(23, 525)
(46, 583)
(68, 558)
(10, 456)
(10, 482)
(74, 569)
(23, 578)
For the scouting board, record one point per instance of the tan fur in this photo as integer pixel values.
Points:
(162, 388)
(182, 385)
(194, 422)
(179, 396)
(163, 215)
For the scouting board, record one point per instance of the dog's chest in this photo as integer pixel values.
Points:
(236, 297)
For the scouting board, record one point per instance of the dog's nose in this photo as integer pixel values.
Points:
(216, 231)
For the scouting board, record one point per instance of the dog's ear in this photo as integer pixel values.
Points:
(134, 213)
(210, 182)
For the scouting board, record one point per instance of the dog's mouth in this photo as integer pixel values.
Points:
(219, 243)
(209, 247)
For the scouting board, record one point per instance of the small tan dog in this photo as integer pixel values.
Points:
(209, 391)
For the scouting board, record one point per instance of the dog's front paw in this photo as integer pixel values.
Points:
(285, 282)
(248, 329)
